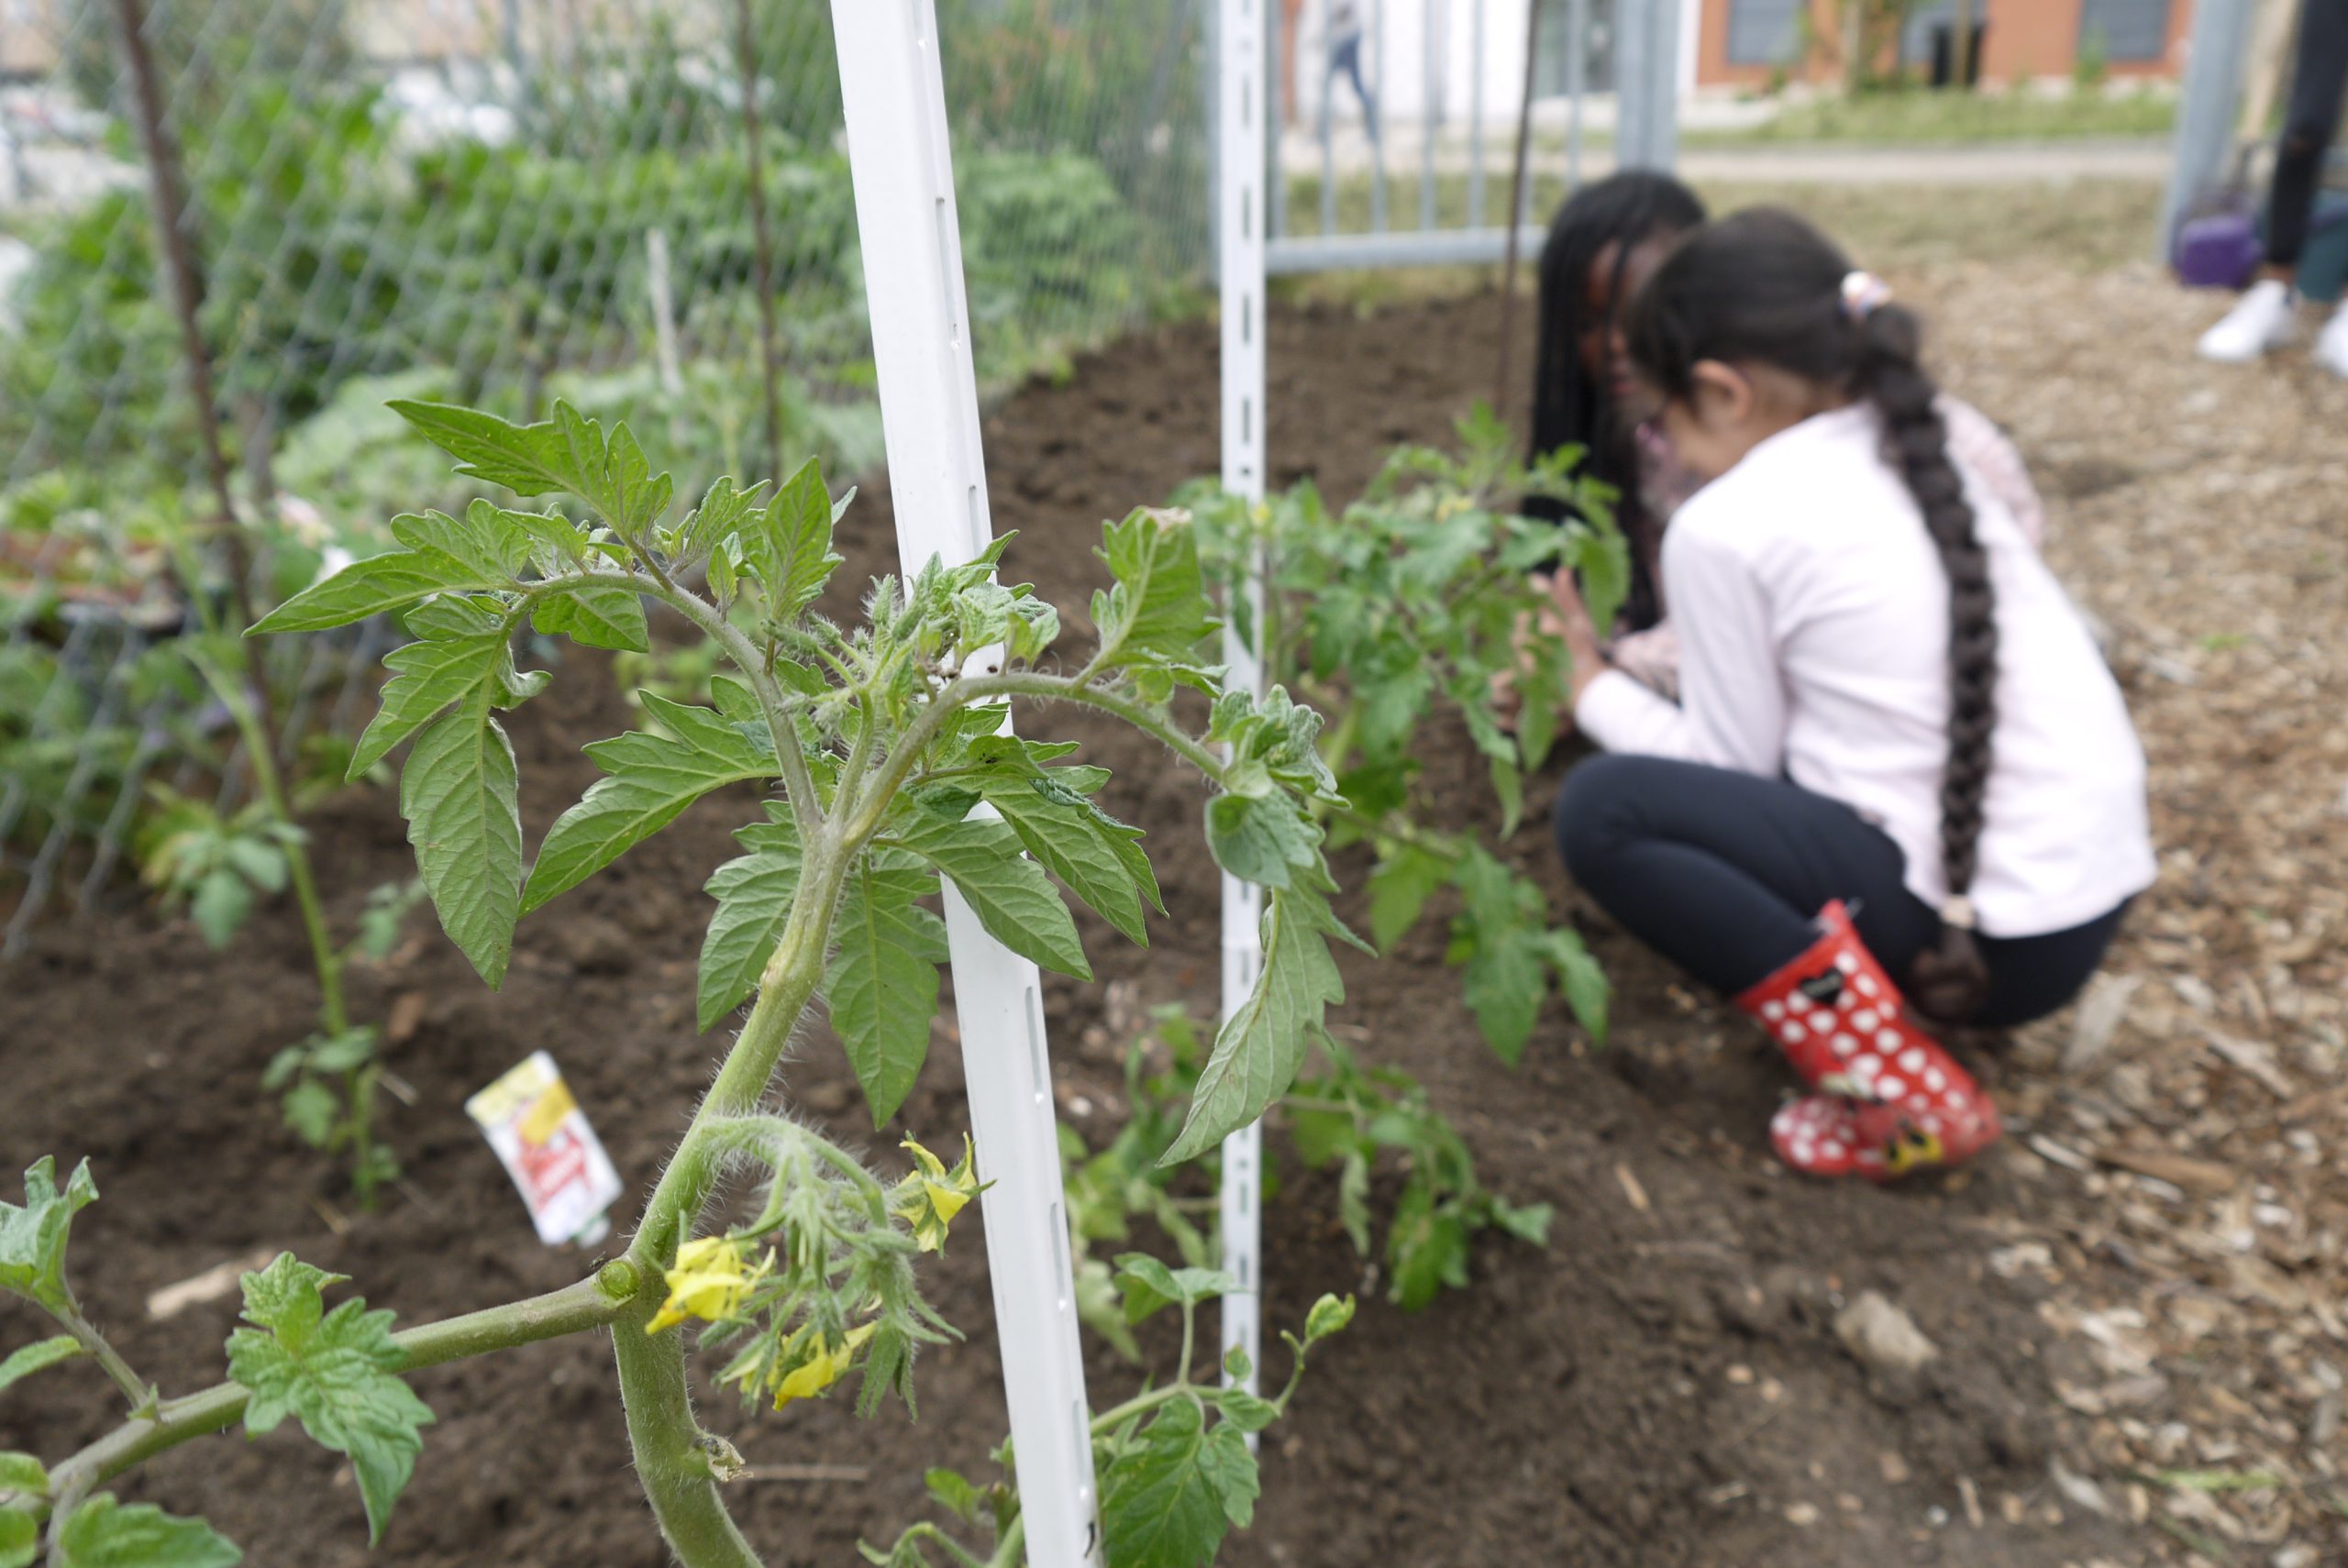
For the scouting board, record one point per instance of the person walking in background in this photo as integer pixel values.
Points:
(2268, 315)
(1344, 33)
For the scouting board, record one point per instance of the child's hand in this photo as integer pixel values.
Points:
(1507, 685)
(1573, 627)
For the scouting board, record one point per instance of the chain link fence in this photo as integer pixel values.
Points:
(641, 206)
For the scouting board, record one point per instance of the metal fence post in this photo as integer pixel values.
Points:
(901, 166)
(2205, 121)
(1240, 200)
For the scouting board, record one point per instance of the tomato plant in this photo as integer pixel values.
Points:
(1340, 1116)
(1416, 601)
(875, 744)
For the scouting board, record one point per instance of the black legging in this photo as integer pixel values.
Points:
(1723, 872)
(2317, 79)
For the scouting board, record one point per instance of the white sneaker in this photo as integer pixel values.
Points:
(2331, 346)
(2262, 320)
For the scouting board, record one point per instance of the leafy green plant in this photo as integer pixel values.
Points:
(214, 867)
(875, 745)
(1417, 603)
(1358, 1121)
(1173, 1485)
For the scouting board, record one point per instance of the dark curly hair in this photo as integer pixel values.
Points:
(1571, 407)
(1764, 287)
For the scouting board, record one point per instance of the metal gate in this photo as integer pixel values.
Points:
(1393, 122)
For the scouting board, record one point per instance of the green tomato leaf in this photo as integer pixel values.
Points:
(1588, 991)
(33, 1237)
(754, 896)
(1426, 1248)
(566, 454)
(1098, 857)
(1146, 1284)
(1263, 1043)
(653, 777)
(223, 902)
(23, 1474)
(1245, 1412)
(1157, 610)
(1266, 839)
(1504, 943)
(336, 1373)
(1399, 888)
(1330, 1315)
(596, 615)
(39, 1354)
(20, 1539)
(1166, 1502)
(881, 983)
(311, 1110)
(1528, 1222)
(104, 1534)
(459, 795)
(953, 1493)
(791, 547)
(430, 674)
(372, 586)
(1009, 894)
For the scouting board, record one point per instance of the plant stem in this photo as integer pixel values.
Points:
(135, 1389)
(1190, 1337)
(798, 784)
(589, 1304)
(673, 1453)
(1011, 1550)
(324, 955)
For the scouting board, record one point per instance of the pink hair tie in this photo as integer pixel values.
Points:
(1862, 293)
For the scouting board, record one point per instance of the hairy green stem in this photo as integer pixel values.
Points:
(798, 784)
(135, 1389)
(672, 1453)
(589, 1304)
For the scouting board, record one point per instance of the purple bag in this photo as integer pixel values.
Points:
(2218, 249)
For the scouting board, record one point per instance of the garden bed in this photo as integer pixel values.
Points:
(1663, 1385)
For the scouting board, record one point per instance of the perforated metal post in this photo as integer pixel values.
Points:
(903, 174)
(1239, 199)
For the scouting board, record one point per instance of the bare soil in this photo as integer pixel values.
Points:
(1662, 1386)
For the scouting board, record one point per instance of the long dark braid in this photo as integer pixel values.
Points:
(1570, 406)
(1764, 287)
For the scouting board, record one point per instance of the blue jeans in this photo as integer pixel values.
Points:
(1344, 58)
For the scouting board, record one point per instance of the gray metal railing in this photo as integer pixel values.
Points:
(1327, 50)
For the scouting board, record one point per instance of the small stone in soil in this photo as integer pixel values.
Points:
(1894, 1468)
(1883, 1337)
(1802, 1514)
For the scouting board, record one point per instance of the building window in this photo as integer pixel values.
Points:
(2135, 31)
(1764, 32)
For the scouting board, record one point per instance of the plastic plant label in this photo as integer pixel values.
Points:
(551, 1152)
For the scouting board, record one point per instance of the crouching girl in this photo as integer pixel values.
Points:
(1900, 779)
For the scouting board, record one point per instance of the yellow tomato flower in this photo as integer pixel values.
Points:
(823, 1369)
(934, 1195)
(713, 1280)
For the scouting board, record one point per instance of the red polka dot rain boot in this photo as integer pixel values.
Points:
(1891, 1100)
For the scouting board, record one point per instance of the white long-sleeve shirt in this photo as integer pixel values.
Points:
(1813, 611)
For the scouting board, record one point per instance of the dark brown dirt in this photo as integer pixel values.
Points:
(1662, 1386)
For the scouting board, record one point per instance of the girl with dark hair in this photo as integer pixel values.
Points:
(1899, 766)
(1605, 242)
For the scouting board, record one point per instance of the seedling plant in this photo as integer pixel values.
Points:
(1343, 1116)
(1417, 601)
(872, 747)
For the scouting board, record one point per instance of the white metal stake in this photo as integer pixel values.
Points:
(902, 167)
(1240, 204)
